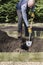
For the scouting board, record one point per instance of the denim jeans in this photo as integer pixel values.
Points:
(20, 18)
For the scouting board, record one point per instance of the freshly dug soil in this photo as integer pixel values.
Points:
(10, 44)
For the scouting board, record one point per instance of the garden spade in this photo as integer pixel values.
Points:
(29, 41)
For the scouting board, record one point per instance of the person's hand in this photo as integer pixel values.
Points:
(30, 30)
(32, 15)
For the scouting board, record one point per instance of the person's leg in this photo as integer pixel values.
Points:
(19, 23)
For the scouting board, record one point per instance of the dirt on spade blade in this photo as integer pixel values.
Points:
(10, 44)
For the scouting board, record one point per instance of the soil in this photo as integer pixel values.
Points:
(10, 44)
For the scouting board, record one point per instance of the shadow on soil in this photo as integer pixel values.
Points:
(10, 44)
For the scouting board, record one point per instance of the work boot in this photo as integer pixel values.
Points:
(19, 35)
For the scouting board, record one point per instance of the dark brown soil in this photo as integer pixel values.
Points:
(10, 44)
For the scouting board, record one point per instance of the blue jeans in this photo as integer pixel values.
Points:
(20, 18)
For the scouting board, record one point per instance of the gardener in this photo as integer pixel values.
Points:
(21, 12)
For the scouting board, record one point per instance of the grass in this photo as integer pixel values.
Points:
(23, 57)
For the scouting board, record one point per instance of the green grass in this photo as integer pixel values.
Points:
(23, 57)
